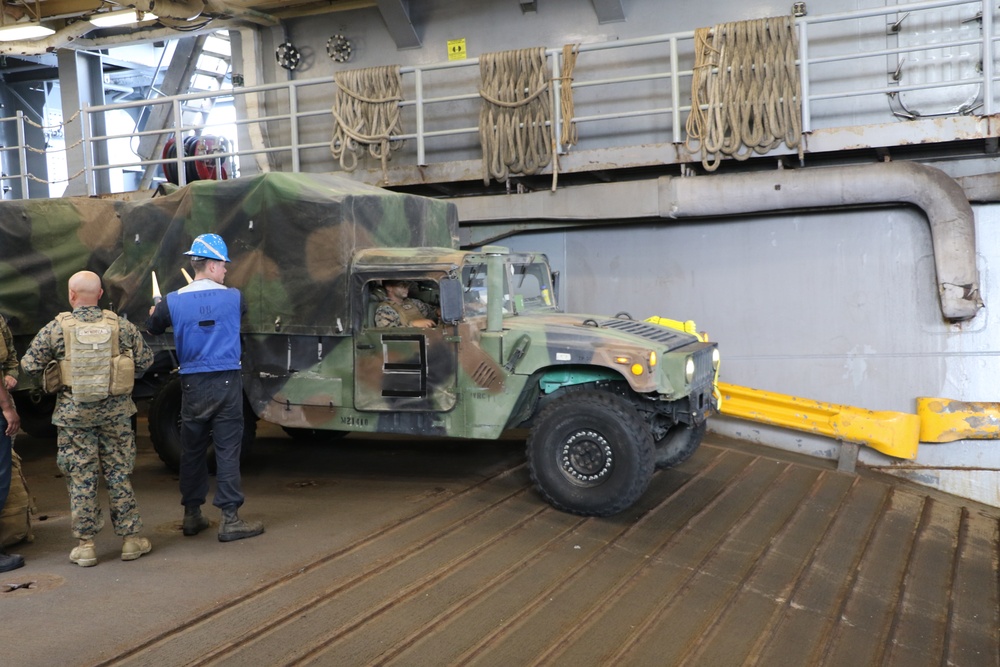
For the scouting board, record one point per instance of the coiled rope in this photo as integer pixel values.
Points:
(366, 115)
(515, 119)
(568, 134)
(745, 90)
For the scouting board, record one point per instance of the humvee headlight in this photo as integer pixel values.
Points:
(637, 369)
(716, 358)
(689, 369)
(652, 360)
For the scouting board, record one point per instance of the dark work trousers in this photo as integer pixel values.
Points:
(6, 461)
(211, 410)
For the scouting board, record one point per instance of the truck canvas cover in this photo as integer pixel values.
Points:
(290, 237)
(44, 241)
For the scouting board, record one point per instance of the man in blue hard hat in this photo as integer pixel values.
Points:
(205, 316)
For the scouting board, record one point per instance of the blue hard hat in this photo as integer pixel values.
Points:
(209, 246)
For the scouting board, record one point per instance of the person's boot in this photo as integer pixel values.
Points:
(134, 546)
(235, 528)
(194, 520)
(84, 554)
(10, 562)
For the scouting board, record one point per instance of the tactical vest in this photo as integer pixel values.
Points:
(93, 367)
(407, 312)
(206, 329)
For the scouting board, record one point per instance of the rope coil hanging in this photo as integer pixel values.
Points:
(366, 115)
(515, 119)
(745, 90)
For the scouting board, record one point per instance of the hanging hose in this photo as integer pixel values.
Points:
(745, 90)
(514, 120)
(366, 114)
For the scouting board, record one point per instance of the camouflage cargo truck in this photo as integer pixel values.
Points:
(606, 399)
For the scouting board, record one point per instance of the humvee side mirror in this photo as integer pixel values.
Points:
(452, 304)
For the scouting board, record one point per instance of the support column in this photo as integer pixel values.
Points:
(81, 83)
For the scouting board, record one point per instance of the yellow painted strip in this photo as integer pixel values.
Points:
(945, 420)
(892, 433)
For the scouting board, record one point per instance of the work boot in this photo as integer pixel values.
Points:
(235, 528)
(135, 546)
(194, 520)
(10, 562)
(84, 554)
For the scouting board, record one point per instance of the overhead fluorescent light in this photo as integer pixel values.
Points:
(16, 32)
(121, 17)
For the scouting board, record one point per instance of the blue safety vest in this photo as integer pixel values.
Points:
(206, 329)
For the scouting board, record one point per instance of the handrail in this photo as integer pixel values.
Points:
(662, 106)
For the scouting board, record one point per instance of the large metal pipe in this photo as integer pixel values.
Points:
(948, 211)
(940, 197)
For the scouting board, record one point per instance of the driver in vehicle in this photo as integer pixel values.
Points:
(399, 310)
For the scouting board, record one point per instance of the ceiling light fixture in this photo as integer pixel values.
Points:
(121, 17)
(15, 32)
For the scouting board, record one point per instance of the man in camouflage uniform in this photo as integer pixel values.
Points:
(398, 310)
(94, 421)
(9, 424)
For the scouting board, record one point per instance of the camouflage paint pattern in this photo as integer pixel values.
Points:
(42, 243)
(305, 249)
(83, 455)
(49, 345)
(8, 351)
(94, 437)
(291, 238)
(444, 381)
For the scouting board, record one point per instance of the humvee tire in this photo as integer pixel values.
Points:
(590, 453)
(165, 427)
(678, 444)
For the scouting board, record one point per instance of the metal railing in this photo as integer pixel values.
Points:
(295, 104)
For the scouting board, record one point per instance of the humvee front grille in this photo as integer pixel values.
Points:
(703, 371)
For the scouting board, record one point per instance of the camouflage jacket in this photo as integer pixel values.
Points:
(389, 314)
(9, 363)
(48, 344)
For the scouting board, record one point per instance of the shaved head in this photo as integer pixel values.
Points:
(85, 289)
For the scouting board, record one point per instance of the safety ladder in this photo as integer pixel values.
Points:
(211, 74)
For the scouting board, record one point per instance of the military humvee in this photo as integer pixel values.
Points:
(606, 399)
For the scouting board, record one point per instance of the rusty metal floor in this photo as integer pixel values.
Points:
(432, 553)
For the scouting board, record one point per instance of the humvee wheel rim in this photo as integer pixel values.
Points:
(586, 458)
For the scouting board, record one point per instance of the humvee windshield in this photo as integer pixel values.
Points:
(527, 285)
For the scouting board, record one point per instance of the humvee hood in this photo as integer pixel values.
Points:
(586, 332)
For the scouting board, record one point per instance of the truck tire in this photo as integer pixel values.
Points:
(590, 453)
(165, 427)
(36, 414)
(678, 444)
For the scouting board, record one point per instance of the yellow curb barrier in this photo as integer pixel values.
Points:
(945, 420)
(894, 433)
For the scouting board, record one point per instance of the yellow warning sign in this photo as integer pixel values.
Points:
(456, 49)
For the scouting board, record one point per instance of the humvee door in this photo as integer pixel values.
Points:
(404, 368)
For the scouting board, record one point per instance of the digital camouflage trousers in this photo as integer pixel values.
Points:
(85, 454)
